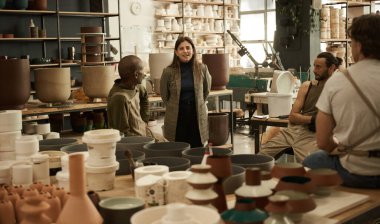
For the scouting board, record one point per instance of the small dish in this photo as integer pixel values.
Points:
(116, 209)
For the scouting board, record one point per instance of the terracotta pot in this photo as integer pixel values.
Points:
(78, 208)
(40, 4)
(7, 213)
(324, 180)
(34, 210)
(287, 169)
(14, 83)
(218, 128)
(296, 183)
(218, 66)
(195, 155)
(53, 85)
(97, 80)
(157, 63)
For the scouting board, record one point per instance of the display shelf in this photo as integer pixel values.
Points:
(28, 39)
(30, 12)
(87, 14)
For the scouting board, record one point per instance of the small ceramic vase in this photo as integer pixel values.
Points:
(34, 211)
(278, 209)
(299, 202)
(54, 209)
(78, 208)
(202, 181)
(221, 169)
(253, 188)
(244, 211)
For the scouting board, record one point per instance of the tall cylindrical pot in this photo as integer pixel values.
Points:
(14, 83)
(157, 63)
(97, 80)
(218, 128)
(53, 85)
(218, 66)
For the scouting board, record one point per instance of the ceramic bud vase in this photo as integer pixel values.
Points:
(97, 80)
(218, 66)
(78, 208)
(218, 128)
(33, 210)
(244, 211)
(14, 83)
(253, 188)
(221, 169)
(278, 209)
(202, 181)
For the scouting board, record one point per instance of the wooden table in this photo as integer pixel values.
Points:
(258, 124)
(124, 186)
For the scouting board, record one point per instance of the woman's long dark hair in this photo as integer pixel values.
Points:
(196, 65)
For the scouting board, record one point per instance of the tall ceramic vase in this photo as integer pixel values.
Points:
(78, 208)
(97, 80)
(218, 128)
(218, 66)
(53, 85)
(14, 83)
(157, 63)
(221, 169)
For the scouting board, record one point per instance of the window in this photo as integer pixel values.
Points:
(257, 26)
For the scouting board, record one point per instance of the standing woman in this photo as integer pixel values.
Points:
(184, 87)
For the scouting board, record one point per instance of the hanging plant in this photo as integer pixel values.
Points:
(291, 11)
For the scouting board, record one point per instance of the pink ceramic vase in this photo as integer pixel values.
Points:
(78, 208)
(218, 66)
(33, 210)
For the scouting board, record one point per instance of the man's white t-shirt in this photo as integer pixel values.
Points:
(352, 116)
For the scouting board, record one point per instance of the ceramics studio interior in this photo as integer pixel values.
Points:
(189, 111)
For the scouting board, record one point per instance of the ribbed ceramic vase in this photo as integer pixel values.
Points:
(78, 208)
(157, 63)
(53, 85)
(14, 83)
(97, 80)
(218, 66)
(218, 126)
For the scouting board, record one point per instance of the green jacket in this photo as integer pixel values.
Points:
(128, 110)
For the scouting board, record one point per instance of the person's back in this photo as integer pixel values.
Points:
(345, 124)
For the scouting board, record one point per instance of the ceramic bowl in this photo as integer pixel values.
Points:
(136, 155)
(233, 182)
(133, 142)
(195, 155)
(248, 160)
(124, 168)
(119, 209)
(56, 144)
(74, 148)
(287, 169)
(296, 183)
(324, 180)
(200, 214)
(165, 149)
(174, 163)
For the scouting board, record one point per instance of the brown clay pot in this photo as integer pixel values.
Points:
(54, 209)
(218, 66)
(97, 80)
(296, 183)
(299, 202)
(218, 128)
(40, 4)
(53, 85)
(91, 29)
(324, 180)
(287, 169)
(7, 213)
(34, 211)
(14, 83)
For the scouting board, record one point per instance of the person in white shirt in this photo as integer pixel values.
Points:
(344, 123)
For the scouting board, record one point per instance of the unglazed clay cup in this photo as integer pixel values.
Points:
(119, 209)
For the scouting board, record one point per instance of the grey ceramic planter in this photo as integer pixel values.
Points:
(165, 149)
(249, 160)
(174, 163)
